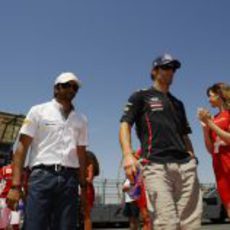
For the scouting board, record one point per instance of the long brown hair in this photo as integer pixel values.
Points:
(223, 91)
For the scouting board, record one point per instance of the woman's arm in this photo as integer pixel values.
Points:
(224, 135)
(207, 139)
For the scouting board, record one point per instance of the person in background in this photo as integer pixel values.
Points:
(57, 135)
(131, 209)
(8, 218)
(92, 170)
(216, 132)
(136, 199)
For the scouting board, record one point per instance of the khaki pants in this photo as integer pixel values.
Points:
(175, 195)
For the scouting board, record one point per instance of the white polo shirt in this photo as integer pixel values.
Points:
(55, 139)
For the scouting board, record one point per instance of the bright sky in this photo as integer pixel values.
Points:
(110, 45)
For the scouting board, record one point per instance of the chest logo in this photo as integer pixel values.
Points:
(155, 104)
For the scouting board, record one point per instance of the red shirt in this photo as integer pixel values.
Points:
(221, 157)
(222, 120)
(6, 180)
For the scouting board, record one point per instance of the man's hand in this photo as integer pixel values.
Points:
(13, 198)
(15, 192)
(191, 154)
(130, 166)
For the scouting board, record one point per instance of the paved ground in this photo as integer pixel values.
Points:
(204, 227)
(216, 227)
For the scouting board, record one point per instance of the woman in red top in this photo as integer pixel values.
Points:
(92, 170)
(217, 137)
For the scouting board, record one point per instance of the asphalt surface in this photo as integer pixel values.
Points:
(205, 226)
(216, 226)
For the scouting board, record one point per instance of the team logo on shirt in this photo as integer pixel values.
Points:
(47, 122)
(27, 122)
(50, 124)
(155, 104)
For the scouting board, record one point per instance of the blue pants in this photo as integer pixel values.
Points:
(52, 200)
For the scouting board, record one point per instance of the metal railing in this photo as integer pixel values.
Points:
(109, 191)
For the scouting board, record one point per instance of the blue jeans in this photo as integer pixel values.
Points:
(52, 200)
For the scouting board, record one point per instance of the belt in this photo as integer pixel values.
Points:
(56, 168)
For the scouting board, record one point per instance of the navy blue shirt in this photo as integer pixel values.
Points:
(161, 122)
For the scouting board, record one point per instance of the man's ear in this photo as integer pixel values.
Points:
(56, 90)
(154, 73)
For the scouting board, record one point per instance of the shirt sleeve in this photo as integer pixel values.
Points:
(83, 136)
(30, 123)
(132, 108)
(186, 129)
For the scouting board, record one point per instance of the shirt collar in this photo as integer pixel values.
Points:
(59, 105)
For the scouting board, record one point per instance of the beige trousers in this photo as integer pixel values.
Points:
(175, 196)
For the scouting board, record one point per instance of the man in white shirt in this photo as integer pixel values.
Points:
(58, 138)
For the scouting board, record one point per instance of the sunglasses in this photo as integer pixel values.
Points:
(68, 85)
(167, 67)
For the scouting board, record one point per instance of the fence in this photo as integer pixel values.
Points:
(9, 126)
(109, 191)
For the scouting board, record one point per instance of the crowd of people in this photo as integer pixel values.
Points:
(162, 185)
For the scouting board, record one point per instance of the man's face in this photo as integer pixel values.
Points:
(164, 74)
(66, 91)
